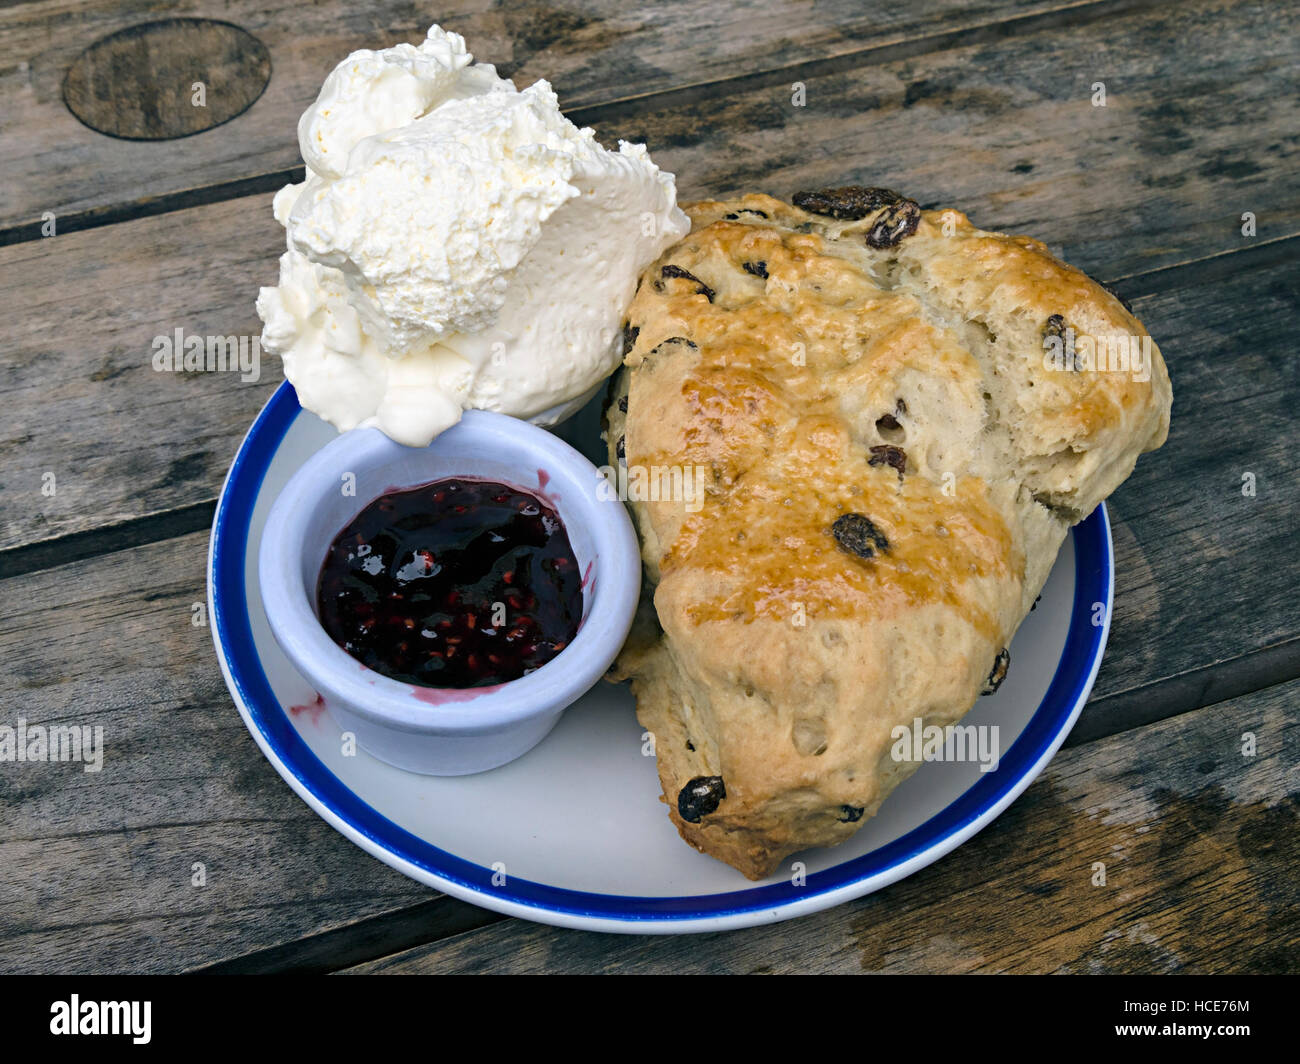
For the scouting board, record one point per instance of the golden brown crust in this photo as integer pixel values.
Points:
(773, 350)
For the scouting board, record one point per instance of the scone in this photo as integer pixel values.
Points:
(871, 427)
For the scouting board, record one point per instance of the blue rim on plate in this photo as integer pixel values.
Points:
(266, 718)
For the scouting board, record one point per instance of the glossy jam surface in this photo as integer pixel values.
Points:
(458, 583)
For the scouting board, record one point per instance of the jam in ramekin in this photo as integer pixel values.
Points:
(458, 583)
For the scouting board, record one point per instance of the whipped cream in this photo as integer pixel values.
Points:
(457, 244)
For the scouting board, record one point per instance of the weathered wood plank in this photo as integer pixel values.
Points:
(1199, 843)
(591, 51)
(1189, 138)
(98, 866)
(1194, 524)
(77, 372)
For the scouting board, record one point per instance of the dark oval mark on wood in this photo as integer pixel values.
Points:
(138, 83)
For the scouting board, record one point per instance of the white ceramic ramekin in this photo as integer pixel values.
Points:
(447, 732)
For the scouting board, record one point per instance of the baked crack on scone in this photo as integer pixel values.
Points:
(897, 417)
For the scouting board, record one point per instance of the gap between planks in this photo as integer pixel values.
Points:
(1080, 13)
(435, 920)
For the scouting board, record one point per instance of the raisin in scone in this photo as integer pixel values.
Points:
(889, 465)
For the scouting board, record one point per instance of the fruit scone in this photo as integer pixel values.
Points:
(869, 428)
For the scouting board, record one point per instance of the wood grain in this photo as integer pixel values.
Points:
(592, 51)
(1204, 530)
(98, 866)
(1199, 843)
(1188, 141)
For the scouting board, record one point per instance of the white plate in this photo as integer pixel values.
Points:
(573, 833)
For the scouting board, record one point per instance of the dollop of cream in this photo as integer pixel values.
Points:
(457, 244)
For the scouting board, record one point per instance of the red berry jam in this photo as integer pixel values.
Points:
(458, 583)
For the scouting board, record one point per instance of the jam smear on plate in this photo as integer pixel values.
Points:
(458, 583)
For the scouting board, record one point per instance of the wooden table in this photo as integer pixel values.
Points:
(986, 106)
